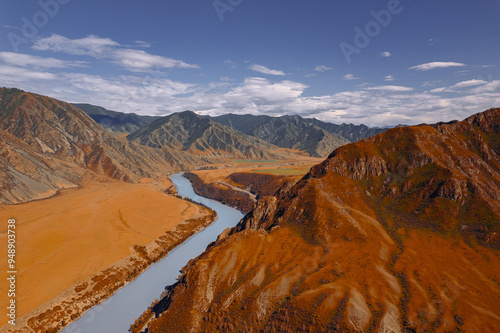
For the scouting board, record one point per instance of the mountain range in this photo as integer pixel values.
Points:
(312, 136)
(315, 137)
(399, 232)
(204, 138)
(116, 121)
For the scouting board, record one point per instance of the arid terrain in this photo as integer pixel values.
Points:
(395, 233)
(79, 233)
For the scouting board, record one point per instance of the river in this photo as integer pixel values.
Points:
(116, 314)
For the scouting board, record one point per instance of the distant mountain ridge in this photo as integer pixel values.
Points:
(311, 135)
(204, 138)
(116, 121)
(292, 132)
(351, 132)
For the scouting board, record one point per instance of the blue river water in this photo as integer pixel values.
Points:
(116, 314)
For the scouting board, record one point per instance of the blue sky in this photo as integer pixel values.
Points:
(382, 62)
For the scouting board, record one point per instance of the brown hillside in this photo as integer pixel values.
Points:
(47, 145)
(395, 233)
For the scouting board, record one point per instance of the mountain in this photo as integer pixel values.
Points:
(116, 121)
(205, 138)
(396, 233)
(47, 145)
(351, 132)
(311, 135)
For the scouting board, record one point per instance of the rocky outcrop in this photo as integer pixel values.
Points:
(221, 192)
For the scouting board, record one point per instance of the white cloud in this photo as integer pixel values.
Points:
(24, 60)
(322, 68)
(140, 43)
(259, 92)
(469, 83)
(374, 106)
(264, 70)
(391, 88)
(99, 48)
(385, 54)
(13, 75)
(431, 83)
(389, 78)
(458, 86)
(350, 77)
(436, 64)
(92, 45)
(138, 60)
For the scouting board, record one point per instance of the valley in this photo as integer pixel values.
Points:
(396, 232)
(250, 166)
(111, 227)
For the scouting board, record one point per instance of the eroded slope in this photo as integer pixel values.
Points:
(47, 145)
(395, 233)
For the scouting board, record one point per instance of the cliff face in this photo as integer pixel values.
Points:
(395, 233)
(47, 145)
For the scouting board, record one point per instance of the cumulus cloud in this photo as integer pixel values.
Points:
(389, 78)
(350, 77)
(99, 48)
(385, 54)
(322, 68)
(143, 94)
(264, 70)
(433, 65)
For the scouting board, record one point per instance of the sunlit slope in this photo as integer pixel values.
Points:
(398, 232)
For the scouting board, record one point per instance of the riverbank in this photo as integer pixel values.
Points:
(118, 227)
(117, 314)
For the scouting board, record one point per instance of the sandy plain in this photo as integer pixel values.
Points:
(66, 239)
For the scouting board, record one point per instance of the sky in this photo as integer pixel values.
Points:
(376, 62)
